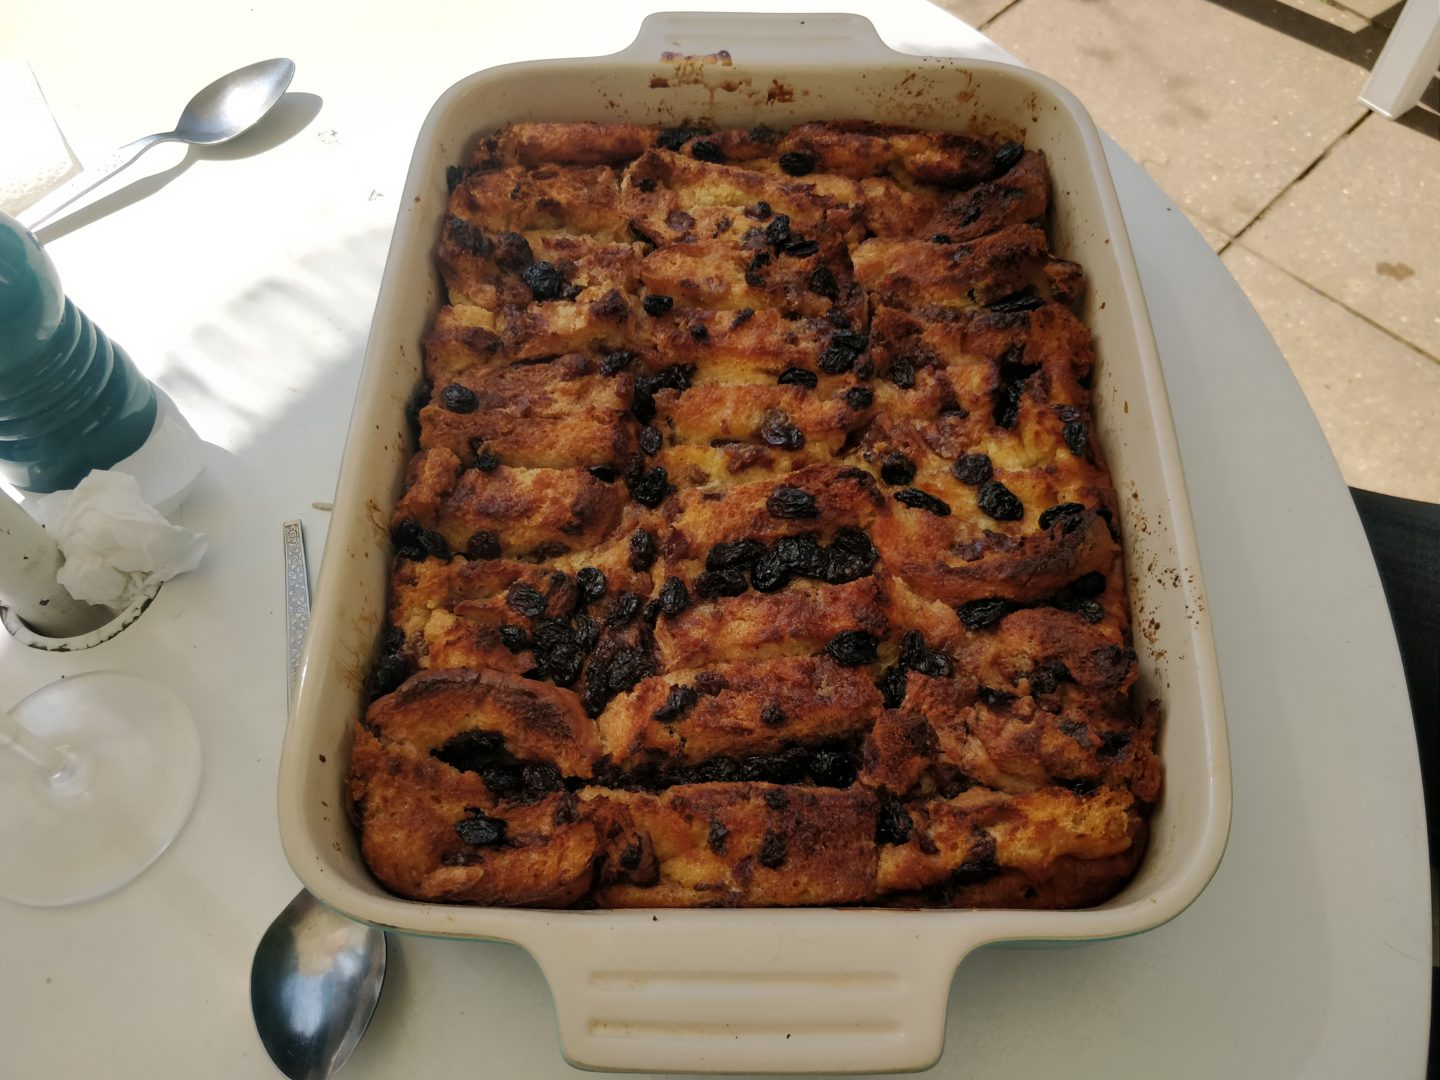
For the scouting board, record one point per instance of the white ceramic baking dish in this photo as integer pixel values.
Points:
(842, 990)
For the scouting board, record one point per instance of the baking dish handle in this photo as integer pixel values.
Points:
(818, 991)
(798, 39)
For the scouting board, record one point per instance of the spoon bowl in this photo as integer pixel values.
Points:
(233, 103)
(314, 984)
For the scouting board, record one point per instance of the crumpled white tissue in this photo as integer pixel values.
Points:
(115, 544)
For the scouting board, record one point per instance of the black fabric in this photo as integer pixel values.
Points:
(1405, 538)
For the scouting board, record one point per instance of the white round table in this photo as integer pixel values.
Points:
(244, 288)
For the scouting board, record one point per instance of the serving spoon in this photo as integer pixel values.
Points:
(230, 105)
(317, 974)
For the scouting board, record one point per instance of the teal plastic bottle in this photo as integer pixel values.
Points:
(71, 400)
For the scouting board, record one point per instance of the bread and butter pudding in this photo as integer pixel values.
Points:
(757, 550)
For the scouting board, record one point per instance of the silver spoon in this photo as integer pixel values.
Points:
(316, 975)
(228, 106)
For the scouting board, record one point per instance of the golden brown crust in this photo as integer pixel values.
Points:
(759, 549)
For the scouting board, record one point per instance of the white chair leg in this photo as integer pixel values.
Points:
(1410, 57)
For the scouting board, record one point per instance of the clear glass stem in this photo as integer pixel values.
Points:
(52, 763)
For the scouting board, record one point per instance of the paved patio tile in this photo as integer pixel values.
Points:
(1364, 228)
(1223, 111)
(1377, 399)
(974, 12)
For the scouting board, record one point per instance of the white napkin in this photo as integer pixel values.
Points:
(115, 544)
(35, 157)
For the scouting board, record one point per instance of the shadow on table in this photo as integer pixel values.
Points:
(291, 115)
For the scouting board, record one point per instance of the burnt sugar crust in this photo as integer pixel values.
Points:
(757, 549)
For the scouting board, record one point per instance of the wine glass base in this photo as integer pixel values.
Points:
(135, 772)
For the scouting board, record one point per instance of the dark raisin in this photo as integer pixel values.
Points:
(541, 778)
(798, 376)
(799, 248)
(837, 359)
(433, 544)
(674, 597)
(940, 238)
(719, 834)
(616, 362)
(642, 403)
(916, 655)
(1021, 301)
(406, 538)
(759, 212)
(742, 316)
(771, 716)
(650, 440)
(777, 430)
(673, 139)
(896, 469)
(390, 672)
(892, 820)
(656, 304)
(647, 184)
(591, 581)
(707, 150)
(626, 668)
(483, 544)
(1077, 437)
(978, 614)
(715, 583)
(392, 640)
(853, 542)
(459, 399)
(768, 575)
(1088, 610)
(992, 697)
(902, 373)
(681, 700)
(486, 461)
(1007, 156)
(480, 830)
(604, 473)
(652, 487)
(502, 780)
(859, 397)
(831, 768)
(922, 500)
(951, 407)
(467, 237)
(544, 280)
(699, 332)
(643, 551)
(778, 231)
(995, 499)
(973, 469)
(773, 850)
(732, 554)
(631, 856)
(453, 175)
(622, 610)
(823, 283)
(797, 163)
(792, 503)
(525, 600)
(587, 632)
(1069, 516)
(800, 555)
(563, 665)
(1112, 742)
(891, 685)
(512, 251)
(514, 638)
(852, 648)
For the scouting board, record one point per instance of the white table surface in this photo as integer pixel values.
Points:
(244, 288)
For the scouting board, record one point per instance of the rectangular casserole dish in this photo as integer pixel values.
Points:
(768, 990)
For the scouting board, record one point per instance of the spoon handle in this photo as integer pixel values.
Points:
(32, 217)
